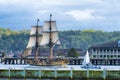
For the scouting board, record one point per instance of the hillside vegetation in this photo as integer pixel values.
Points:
(17, 40)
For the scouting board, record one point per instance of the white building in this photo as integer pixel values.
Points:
(106, 54)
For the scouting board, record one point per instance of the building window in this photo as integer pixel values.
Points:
(104, 50)
(94, 56)
(111, 50)
(108, 50)
(115, 50)
(118, 49)
(101, 50)
(104, 56)
(114, 56)
(118, 56)
(94, 50)
(111, 56)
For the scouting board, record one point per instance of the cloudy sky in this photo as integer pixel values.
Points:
(69, 14)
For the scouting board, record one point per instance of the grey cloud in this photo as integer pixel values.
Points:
(23, 14)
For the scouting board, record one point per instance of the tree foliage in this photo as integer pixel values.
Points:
(73, 53)
(17, 40)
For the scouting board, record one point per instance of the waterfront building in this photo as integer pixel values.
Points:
(1, 55)
(101, 54)
(105, 54)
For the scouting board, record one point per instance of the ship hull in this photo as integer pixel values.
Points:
(61, 62)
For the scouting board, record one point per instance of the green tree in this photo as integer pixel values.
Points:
(17, 40)
(73, 53)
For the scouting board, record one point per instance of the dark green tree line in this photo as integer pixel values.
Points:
(17, 40)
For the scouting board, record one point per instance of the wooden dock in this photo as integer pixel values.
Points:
(73, 61)
(56, 74)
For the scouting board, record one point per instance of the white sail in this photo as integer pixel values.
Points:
(86, 59)
(86, 62)
(46, 36)
(43, 36)
(34, 29)
(32, 40)
(47, 24)
(46, 33)
(27, 52)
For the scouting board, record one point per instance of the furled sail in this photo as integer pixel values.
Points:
(35, 35)
(46, 33)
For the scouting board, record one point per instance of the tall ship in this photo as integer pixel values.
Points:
(46, 35)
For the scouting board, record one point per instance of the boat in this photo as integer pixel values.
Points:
(46, 35)
(86, 62)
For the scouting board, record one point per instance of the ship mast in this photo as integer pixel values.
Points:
(37, 41)
(50, 40)
(50, 36)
